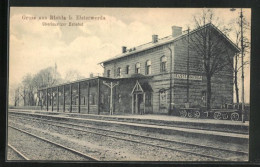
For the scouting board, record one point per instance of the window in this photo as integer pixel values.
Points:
(108, 73)
(163, 63)
(148, 67)
(92, 99)
(84, 100)
(108, 99)
(102, 99)
(137, 68)
(148, 99)
(127, 69)
(118, 72)
(119, 98)
(163, 97)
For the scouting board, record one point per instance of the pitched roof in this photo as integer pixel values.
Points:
(166, 40)
(143, 87)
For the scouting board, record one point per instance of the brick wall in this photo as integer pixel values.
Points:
(159, 81)
(222, 86)
(152, 54)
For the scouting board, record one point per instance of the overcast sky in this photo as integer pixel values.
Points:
(34, 47)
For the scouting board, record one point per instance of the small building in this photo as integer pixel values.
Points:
(147, 79)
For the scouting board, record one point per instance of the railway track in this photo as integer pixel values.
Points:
(173, 145)
(78, 153)
(18, 152)
(196, 127)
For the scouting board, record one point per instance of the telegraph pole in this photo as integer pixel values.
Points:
(111, 85)
(188, 66)
(242, 64)
(170, 107)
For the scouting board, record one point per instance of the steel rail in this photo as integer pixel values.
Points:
(57, 144)
(136, 141)
(129, 121)
(18, 152)
(148, 137)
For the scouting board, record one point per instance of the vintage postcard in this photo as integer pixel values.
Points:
(129, 84)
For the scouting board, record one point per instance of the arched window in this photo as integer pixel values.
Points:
(148, 67)
(163, 63)
(137, 68)
(118, 71)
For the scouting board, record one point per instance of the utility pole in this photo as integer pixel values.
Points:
(111, 85)
(242, 64)
(170, 107)
(18, 100)
(188, 70)
(188, 66)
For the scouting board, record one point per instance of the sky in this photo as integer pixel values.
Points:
(33, 47)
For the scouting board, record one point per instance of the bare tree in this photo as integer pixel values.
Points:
(73, 75)
(28, 90)
(47, 77)
(246, 44)
(30, 84)
(211, 47)
(21, 94)
(13, 95)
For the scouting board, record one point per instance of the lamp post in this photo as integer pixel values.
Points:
(242, 63)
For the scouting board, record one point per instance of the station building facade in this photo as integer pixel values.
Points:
(147, 79)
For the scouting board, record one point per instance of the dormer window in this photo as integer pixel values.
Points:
(148, 67)
(137, 68)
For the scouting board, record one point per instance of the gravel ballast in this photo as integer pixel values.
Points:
(36, 149)
(106, 148)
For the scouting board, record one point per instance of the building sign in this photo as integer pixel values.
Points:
(191, 77)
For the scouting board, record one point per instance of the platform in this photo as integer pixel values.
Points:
(164, 120)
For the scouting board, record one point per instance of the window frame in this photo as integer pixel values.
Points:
(118, 72)
(148, 99)
(163, 98)
(108, 73)
(92, 98)
(138, 69)
(119, 98)
(127, 69)
(163, 63)
(148, 67)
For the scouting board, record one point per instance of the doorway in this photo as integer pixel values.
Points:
(138, 103)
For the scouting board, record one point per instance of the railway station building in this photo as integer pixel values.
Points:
(149, 78)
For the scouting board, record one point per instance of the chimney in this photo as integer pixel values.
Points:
(123, 49)
(91, 75)
(155, 38)
(176, 31)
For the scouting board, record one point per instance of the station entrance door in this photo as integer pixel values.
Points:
(138, 99)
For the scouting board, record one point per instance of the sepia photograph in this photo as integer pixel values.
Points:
(128, 84)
